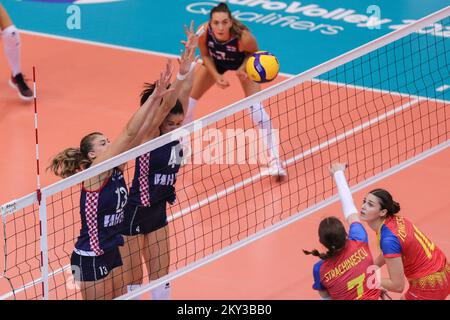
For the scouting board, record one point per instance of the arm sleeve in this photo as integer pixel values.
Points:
(348, 207)
(358, 233)
(316, 273)
(389, 243)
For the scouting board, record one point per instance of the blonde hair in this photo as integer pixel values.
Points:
(73, 160)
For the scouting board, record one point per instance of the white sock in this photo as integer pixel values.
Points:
(190, 112)
(262, 120)
(11, 47)
(162, 292)
(133, 287)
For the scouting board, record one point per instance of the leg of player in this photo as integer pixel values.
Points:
(157, 259)
(130, 275)
(262, 120)
(97, 290)
(119, 286)
(202, 82)
(11, 46)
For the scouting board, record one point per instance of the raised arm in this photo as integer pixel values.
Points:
(128, 134)
(191, 43)
(348, 207)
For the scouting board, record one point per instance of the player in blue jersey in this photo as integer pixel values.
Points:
(11, 47)
(145, 225)
(103, 197)
(224, 46)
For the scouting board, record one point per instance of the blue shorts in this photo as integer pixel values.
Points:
(85, 268)
(143, 220)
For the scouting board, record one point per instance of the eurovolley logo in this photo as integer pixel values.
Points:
(76, 1)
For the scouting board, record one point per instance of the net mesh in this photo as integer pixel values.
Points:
(374, 112)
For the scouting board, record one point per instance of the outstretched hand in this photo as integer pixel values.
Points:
(188, 55)
(162, 84)
(192, 37)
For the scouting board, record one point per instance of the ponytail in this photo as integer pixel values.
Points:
(322, 256)
(68, 162)
(332, 235)
(73, 160)
(237, 28)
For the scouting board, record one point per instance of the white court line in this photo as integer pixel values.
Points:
(442, 88)
(293, 159)
(370, 89)
(169, 55)
(258, 176)
(282, 224)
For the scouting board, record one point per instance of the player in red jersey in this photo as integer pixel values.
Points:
(406, 251)
(346, 271)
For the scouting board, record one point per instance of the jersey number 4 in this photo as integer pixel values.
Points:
(174, 160)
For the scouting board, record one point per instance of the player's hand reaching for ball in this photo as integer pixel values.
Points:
(162, 88)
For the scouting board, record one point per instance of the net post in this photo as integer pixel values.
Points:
(42, 202)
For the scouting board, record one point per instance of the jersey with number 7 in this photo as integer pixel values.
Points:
(350, 274)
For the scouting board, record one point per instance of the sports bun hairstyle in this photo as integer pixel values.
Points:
(386, 201)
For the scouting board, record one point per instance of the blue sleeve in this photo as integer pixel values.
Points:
(358, 233)
(316, 273)
(389, 243)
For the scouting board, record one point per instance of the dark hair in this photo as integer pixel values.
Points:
(332, 235)
(72, 160)
(237, 27)
(386, 201)
(147, 92)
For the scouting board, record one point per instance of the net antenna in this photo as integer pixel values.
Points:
(42, 204)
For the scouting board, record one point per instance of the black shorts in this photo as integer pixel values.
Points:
(143, 220)
(85, 268)
(224, 67)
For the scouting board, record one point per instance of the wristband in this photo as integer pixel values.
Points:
(181, 77)
(200, 31)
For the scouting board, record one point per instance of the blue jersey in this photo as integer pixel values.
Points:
(101, 213)
(226, 53)
(155, 175)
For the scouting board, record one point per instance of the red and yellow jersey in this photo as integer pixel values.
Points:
(348, 275)
(398, 237)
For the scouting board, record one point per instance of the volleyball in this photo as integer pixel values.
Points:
(262, 66)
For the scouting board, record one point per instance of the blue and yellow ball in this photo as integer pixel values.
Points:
(262, 66)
